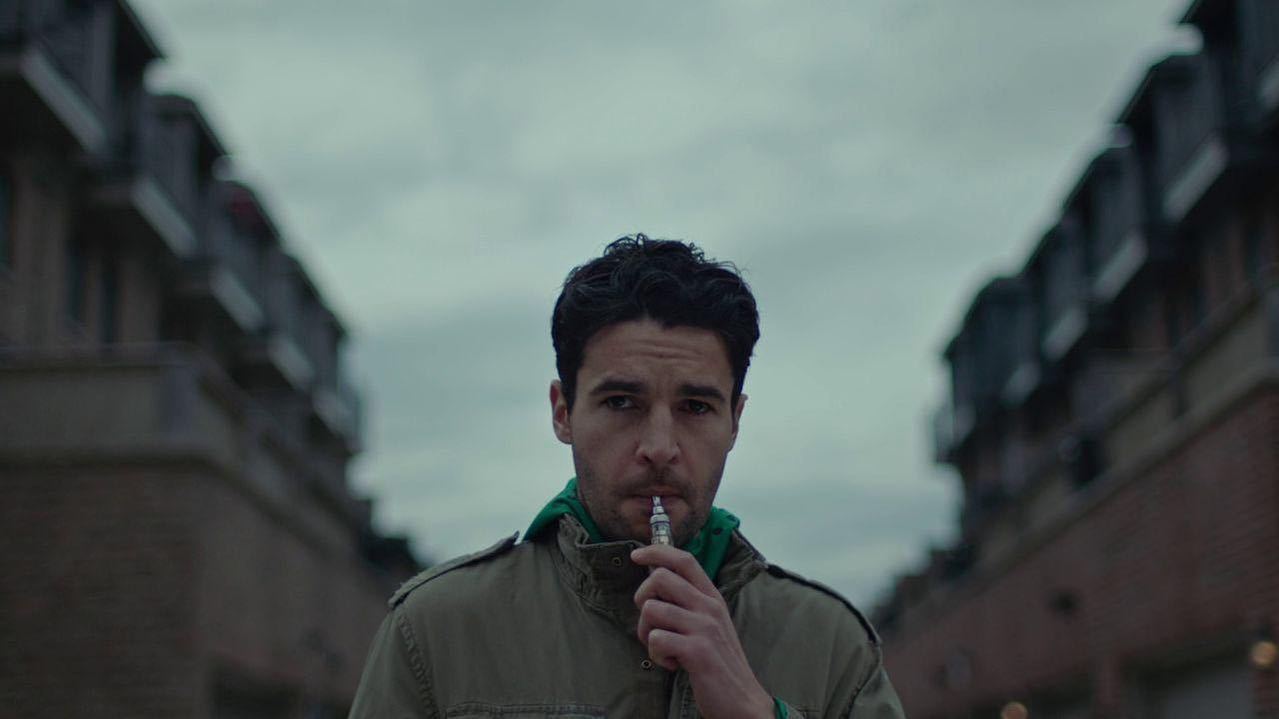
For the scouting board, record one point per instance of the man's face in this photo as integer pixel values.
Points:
(652, 416)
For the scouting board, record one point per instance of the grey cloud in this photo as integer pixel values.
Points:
(441, 165)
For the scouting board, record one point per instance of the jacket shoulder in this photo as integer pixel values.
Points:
(501, 547)
(791, 577)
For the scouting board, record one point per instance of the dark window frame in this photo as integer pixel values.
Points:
(109, 297)
(1252, 252)
(7, 206)
(77, 269)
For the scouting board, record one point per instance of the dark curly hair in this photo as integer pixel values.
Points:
(668, 281)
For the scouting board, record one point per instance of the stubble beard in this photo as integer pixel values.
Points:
(605, 509)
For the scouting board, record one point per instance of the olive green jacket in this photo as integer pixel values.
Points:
(547, 629)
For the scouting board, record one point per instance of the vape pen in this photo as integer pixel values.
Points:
(659, 524)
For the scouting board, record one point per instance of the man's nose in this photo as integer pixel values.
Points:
(658, 444)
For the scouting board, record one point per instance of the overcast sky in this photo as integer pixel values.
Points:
(440, 166)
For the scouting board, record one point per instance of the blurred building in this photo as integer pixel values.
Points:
(1114, 418)
(175, 419)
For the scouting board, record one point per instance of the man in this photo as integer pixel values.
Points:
(583, 618)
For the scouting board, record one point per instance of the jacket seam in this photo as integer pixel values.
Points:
(875, 667)
(416, 664)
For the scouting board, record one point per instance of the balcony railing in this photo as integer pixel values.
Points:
(943, 426)
(225, 270)
(1064, 275)
(240, 252)
(1189, 123)
(1022, 374)
(52, 62)
(338, 408)
(335, 401)
(70, 34)
(285, 308)
(73, 43)
(279, 347)
(12, 20)
(996, 330)
(230, 242)
(1259, 39)
(158, 150)
(951, 426)
(1116, 233)
(321, 338)
(142, 190)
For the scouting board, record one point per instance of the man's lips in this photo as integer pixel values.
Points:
(643, 503)
(658, 492)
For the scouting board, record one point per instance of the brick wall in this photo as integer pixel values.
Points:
(136, 592)
(1182, 555)
(281, 600)
(97, 601)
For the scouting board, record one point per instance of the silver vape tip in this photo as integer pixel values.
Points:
(659, 524)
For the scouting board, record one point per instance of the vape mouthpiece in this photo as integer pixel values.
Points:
(659, 524)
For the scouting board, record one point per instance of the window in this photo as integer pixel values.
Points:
(1195, 277)
(77, 277)
(1197, 299)
(1185, 308)
(6, 221)
(1254, 230)
(1220, 688)
(109, 290)
(1173, 321)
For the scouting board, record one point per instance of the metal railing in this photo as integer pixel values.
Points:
(69, 35)
(1064, 277)
(1190, 109)
(284, 299)
(155, 150)
(1116, 202)
(321, 343)
(1259, 35)
(236, 250)
(349, 394)
(943, 426)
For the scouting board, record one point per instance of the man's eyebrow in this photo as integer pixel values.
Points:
(618, 385)
(702, 390)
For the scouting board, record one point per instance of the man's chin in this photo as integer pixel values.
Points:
(634, 530)
(631, 522)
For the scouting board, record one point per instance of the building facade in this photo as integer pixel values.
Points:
(175, 417)
(1114, 420)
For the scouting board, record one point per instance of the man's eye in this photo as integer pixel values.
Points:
(697, 406)
(618, 402)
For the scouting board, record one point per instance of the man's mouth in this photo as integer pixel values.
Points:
(662, 492)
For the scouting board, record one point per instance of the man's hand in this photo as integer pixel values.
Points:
(684, 622)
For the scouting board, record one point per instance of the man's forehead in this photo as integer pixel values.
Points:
(633, 350)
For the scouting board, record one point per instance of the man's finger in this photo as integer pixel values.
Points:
(664, 648)
(678, 561)
(657, 614)
(670, 587)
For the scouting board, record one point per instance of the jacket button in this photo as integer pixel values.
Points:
(646, 665)
(617, 561)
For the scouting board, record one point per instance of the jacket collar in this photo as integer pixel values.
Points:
(604, 577)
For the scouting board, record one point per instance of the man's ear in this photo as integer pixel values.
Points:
(737, 417)
(559, 413)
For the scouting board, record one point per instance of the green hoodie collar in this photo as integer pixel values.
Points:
(709, 546)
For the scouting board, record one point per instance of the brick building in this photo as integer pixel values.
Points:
(1114, 419)
(175, 419)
